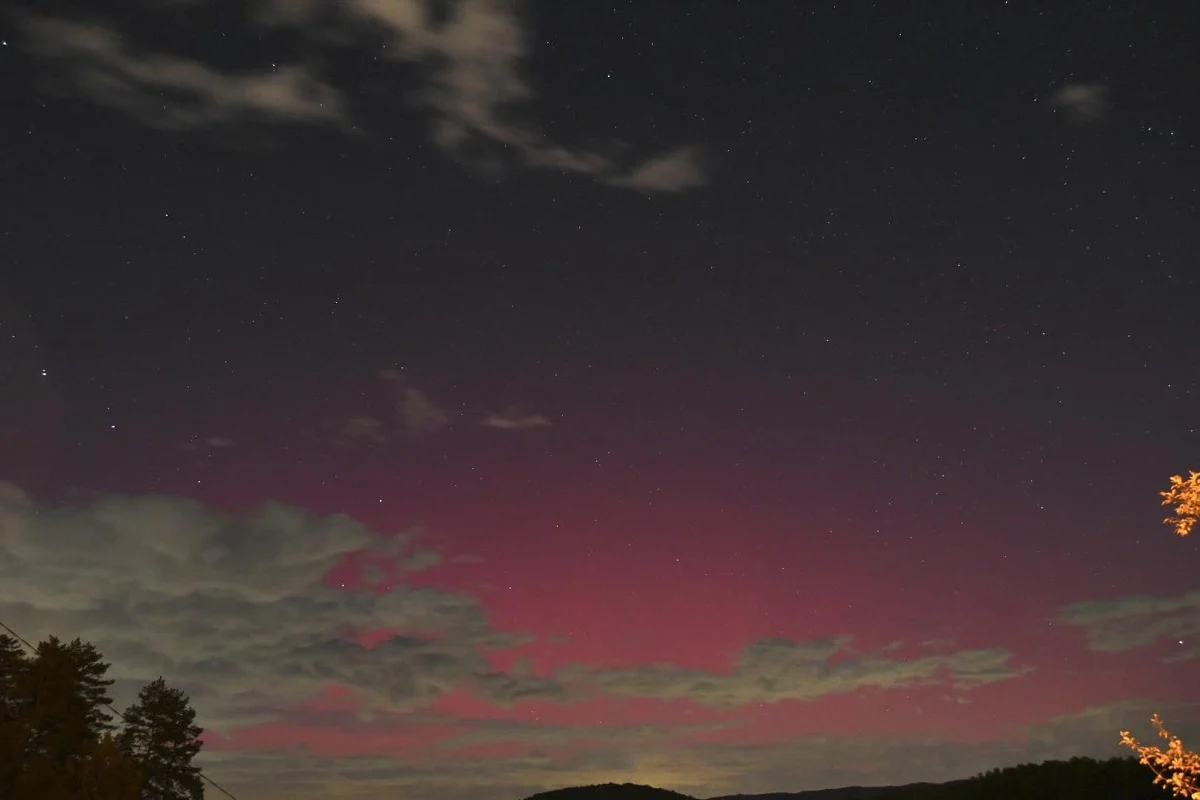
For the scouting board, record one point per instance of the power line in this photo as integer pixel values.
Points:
(203, 777)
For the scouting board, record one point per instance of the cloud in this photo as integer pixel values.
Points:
(422, 559)
(414, 410)
(1081, 102)
(1093, 729)
(235, 608)
(170, 91)
(1136, 621)
(413, 413)
(471, 60)
(486, 731)
(512, 419)
(672, 172)
(362, 430)
(208, 444)
(473, 57)
(418, 412)
(549, 757)
(771, 670)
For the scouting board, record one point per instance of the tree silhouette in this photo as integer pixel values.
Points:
(14, 668)
(67, 694)
(106, 774)
(12, 661)
(160, 734)
(55, 742)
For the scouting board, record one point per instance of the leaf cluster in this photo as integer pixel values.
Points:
(1175, 767)
(1184, 495)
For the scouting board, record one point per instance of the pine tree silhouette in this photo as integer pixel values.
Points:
(161, 736)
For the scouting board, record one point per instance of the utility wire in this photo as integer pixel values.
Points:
(204, 777)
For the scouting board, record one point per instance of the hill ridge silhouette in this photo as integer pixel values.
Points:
(637, 791)
(1078, 778)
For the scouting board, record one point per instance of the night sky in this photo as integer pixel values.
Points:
(466, 399)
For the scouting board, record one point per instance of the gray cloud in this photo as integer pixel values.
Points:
(418, 412)
(1081, 102)
(413, 413)
(670, 757)
(169, 91)
(471, 61)
(208, 444)
(512, 419)
(770, 670)
(422, 559)
(362, 430)
(235, 608)
(491, 731)
(414, 410)
(1096, 730)
(675, 171)
(1136, 621)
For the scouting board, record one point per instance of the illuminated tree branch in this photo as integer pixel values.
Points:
(1184, 494)
(1175, 768)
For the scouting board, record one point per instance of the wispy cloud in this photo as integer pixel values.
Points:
(771, 670)
(415, 411)
(1135, 621)
(518, 732)
(512, 419)
(208, 444)
(1081, 102)
(471, 60)
(671, 172)
(171, 91)
(361, 430)
(1090, 730)
(422, 559)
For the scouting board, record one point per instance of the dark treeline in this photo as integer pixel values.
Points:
(58, 740)
(1076, 779)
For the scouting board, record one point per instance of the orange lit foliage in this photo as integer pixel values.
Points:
(1184, 494)
(1175, 768)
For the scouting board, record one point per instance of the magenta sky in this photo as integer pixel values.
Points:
(610, 599)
